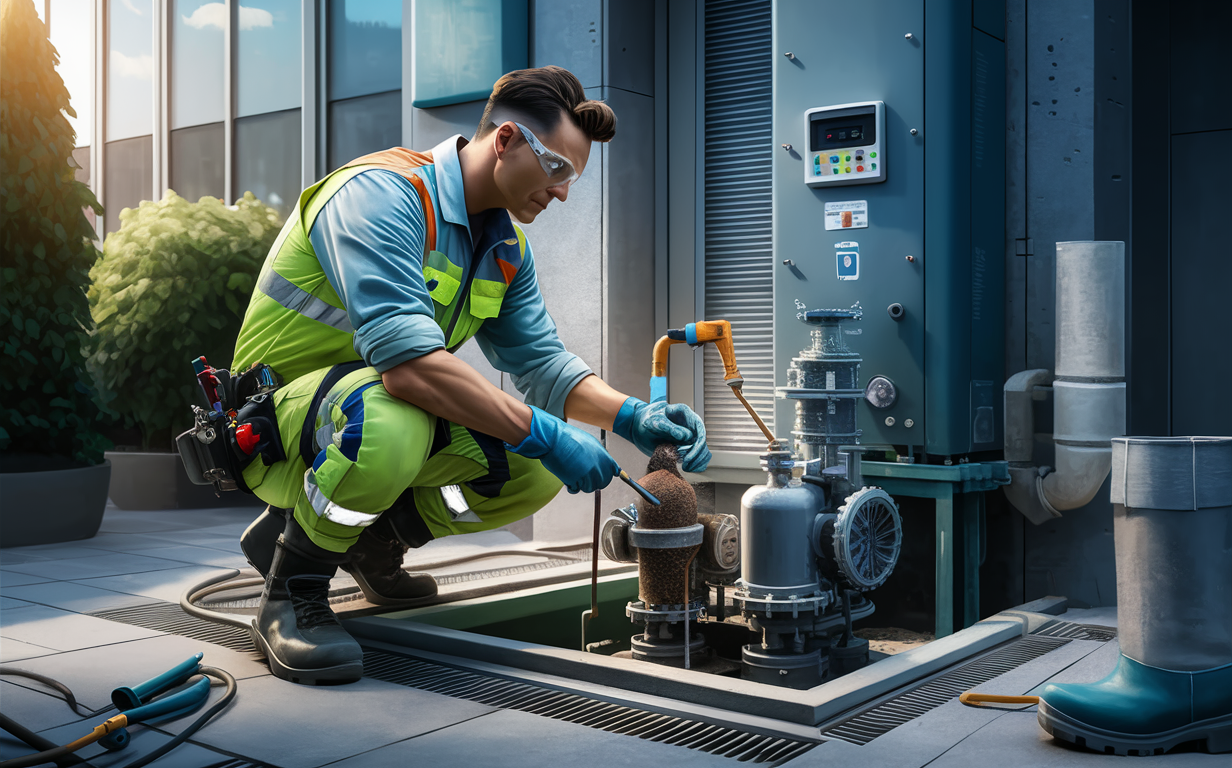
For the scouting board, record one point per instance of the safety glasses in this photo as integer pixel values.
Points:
(558, 168)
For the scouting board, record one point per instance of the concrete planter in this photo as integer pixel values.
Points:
(143, 481)
(52, 506)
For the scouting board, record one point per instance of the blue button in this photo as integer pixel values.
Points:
(834, 158)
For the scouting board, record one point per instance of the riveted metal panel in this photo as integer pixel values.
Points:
(879, 64)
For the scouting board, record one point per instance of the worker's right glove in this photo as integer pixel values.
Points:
(646, 425)
(576, 458)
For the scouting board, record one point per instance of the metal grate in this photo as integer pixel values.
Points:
(616, 718)
(737, 211)
(170, 618)
(496, 692)
(1069, 629)
(884, 717)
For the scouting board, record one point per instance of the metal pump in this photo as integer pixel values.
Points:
(811, 541)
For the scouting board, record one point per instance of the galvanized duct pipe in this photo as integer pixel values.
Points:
(1088, 388)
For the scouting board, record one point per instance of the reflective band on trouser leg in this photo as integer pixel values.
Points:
(529, 488)
(298, 300)
(377, 447)
(331, 511)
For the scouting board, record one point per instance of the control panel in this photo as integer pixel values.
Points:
(845, 144)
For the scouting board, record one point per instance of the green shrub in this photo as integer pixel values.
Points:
(173, 284)
(46, 406)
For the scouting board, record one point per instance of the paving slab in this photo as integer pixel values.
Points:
(301, 726)
(93, 566)
(94, 672)
(9, 602)
(82, 548)
(1017, 738)
(65, 630)
(75, 597)
(144, 740)
(1104, 616)
(14, 579)
(125, 521)
(513, 739)
(134, 542)
(165, 585)
(16, 650)
(198, 555)
(33, 705)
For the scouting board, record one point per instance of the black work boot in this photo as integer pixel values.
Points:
(295, 627)
(259, 539)
(376, 564)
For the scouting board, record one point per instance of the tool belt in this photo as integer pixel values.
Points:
(239, 426)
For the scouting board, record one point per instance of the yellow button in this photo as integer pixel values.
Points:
(847, 169)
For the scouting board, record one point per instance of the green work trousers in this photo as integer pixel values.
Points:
(371, 446)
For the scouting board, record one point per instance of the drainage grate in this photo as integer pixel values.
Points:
(497, 692)
(170, 618)
(889, 714)
(1074, 631)
(616, 718)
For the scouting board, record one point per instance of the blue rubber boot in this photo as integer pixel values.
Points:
(1141, 710)
(1172, 524)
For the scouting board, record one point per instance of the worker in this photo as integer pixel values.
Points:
(384, 269)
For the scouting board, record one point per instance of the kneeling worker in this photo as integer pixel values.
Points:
(385, 268)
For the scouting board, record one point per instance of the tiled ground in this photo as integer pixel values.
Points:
(144, 557)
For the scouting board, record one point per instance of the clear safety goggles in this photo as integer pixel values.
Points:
(557, 167)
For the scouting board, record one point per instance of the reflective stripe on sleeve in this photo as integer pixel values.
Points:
(331, 511)
(298, 300)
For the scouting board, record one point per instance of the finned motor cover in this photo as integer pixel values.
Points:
(868, 536)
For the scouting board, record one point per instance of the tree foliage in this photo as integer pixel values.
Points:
(172, 285)
(47, 406)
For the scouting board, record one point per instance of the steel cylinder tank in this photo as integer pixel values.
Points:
(776, 553)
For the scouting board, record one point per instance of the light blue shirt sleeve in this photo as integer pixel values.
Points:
(522, 342)
(369, 239)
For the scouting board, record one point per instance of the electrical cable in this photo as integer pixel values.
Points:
(35, 741)
(222, 582)
(57, 754)
(69, 698)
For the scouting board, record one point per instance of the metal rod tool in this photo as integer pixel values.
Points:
(645, 494)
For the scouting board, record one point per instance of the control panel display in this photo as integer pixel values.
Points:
(845, 144)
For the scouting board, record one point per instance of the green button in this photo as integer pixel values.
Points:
(872, 154)
(874, 166)
(847, 158)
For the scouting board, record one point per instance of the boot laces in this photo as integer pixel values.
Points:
(310, 601)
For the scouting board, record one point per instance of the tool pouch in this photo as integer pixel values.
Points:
(220, 445)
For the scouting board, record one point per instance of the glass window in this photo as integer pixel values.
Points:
(268, 47)
(70, 34)
(196, 157)
(268, 159)
(363, 125)
(128, 176)
(130, 70)
(365, 47)
(197, 28)
(462, 48)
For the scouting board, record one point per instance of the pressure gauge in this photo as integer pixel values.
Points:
(881, 392)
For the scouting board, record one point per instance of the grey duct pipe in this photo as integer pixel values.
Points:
(1088, 389)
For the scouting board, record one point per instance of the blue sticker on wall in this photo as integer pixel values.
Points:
(847, 254)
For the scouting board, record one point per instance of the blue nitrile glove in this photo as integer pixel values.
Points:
(577, 459)
(646, 425)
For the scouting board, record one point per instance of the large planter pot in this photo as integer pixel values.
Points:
(141, 480)
(53, 505)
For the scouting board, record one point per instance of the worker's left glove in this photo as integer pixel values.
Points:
(647, 425)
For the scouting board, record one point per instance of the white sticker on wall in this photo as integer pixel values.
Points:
(852, 214)
(847, 254)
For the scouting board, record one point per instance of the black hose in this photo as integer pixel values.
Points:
(55, 754)
(69, 698)
(35, 741)
(183, 735)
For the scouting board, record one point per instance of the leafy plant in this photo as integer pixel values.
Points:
(172, 285)
(47, 406)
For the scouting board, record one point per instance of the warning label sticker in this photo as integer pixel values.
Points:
(852, 214)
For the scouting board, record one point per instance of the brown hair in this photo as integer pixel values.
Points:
(542, 94)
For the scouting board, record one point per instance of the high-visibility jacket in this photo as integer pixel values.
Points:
(296, 321)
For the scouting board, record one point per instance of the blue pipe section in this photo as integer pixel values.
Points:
(658, 388)
(128, 698)
(690, 334)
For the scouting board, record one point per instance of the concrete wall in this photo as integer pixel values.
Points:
(594, 253)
